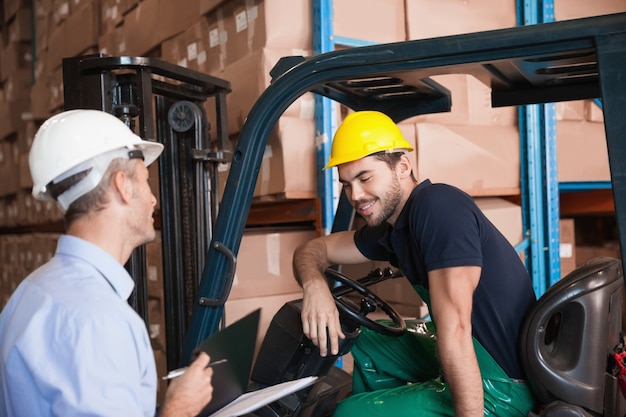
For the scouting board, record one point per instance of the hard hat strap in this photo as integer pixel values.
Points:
(86, 176)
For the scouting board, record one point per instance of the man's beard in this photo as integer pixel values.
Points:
(389, 204)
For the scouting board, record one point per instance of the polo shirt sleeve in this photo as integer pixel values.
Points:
(447, 227)
(368, 240)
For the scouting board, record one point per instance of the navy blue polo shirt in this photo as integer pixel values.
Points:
(441, 226)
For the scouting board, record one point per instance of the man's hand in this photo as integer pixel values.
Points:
(188, 394)
(320, 318)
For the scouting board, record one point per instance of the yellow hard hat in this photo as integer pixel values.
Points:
(364, 133)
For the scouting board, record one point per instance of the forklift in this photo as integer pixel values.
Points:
(572, 342)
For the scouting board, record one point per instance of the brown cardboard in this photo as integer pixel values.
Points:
(41, 25)
(288, 167)
(289, 161)
(253, 25)
(110, 15)
(574, 9)
(57, 48)
(570, 110)
(9, 163)
(112, 42)
(176, 16)
(215, 43)
(428, 19)
(206, 6)
(264, 264)
(60, 11)
(506, 216)
(83, 28)
(249, 77)
(17, 85)
(15, 56)
(593, 112)
(567, 246)
(582, 151)
(13, 115)
(471, 104)
(10, 8)
(20, 29)
(587, 253)
(481, 160)
(40, 99)
(376, 21)
(142, 31)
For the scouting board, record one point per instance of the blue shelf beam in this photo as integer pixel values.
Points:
(539, 180)
(325, 125)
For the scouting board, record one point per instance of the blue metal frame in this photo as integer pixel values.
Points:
(325, 125)
(584, 185)
(539, 179)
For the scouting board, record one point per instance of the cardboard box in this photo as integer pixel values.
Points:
(506, 216)
(264, 264)
(289, 161)
(570, 110)
(111, 15)
(481, 160)
(17, 85)
(141, 30)
(574, 9)
(587, 253)
(177, 16)
(253, 25)
(288, 168)
(85, 21)
(9, 164)
(567, 246)
(13, 115)
(16, 56)
(112, 42)
(377, 21)
(429, 19)
(582, 153)
(249, 77)
(471, 104)
(20, 29)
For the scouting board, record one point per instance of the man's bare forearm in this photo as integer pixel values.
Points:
(309, 261)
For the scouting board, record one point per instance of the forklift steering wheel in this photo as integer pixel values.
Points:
(368, 305)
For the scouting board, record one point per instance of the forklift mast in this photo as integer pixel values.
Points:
(165, 102)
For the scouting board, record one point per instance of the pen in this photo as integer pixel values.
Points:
(178, 372)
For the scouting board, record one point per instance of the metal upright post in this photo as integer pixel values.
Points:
(539, 180)
(325, 125)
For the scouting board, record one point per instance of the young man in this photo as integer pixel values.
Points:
(70, 345)
(473, 281)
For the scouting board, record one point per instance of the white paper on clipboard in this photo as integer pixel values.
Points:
(254, 400)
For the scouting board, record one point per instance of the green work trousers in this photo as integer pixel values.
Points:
(400, 377)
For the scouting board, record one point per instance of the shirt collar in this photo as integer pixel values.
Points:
(114, 272)
(403, 218)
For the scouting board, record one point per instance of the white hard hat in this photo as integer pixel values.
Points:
(82, 140)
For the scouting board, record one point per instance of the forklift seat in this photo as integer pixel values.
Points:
(569, 334)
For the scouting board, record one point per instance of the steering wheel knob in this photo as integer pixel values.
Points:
(367, 306)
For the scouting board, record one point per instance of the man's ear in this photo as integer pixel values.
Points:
(404, 166)
(122, 185)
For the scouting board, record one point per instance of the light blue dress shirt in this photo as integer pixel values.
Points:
(70, 345)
